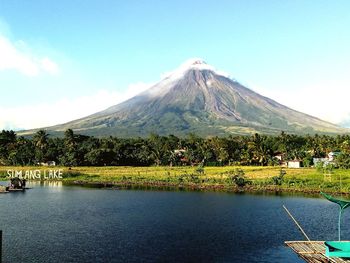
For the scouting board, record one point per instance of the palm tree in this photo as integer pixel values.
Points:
(40, 140)
(261, 149)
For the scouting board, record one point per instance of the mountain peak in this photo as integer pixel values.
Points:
(196, 61)
(192, 64)
(197, 98)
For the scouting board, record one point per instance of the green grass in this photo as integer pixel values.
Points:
(304, 179)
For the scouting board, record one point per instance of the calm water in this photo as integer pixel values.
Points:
(51, 223)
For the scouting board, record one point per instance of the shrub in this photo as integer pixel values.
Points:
(200, 169)
(237, 177)
(278, 180)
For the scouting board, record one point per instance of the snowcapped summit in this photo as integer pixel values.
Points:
(192, 64)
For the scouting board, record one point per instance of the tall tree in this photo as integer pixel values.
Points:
(70, 154)
(40, 140)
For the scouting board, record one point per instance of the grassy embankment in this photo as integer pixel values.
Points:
(210, 178)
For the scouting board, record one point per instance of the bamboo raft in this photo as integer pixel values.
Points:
(313, 252)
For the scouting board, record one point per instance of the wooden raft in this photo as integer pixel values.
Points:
(313, 251)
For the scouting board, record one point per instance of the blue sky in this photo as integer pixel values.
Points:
(61, 60)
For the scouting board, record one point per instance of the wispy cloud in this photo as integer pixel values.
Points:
(329, 102)
(17, 56)
(48, 114)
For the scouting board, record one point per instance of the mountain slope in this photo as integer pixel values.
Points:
(197, 98)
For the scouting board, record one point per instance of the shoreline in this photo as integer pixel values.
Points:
(201, 188)
(190, 187)
(256, 179)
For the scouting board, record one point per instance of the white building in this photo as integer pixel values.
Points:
(295, 164)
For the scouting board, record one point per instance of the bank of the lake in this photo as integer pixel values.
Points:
(227, 178)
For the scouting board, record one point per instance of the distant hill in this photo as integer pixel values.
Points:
(196, 98)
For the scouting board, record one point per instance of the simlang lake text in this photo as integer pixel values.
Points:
(49, 174)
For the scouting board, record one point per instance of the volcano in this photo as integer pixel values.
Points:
(196, 98)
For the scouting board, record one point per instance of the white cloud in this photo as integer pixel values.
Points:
(16, 56)
(48, 114)
(49, 66)
(135, 88)
(327, 101)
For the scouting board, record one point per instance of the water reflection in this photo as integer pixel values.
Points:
(94, 225)
(56, 184)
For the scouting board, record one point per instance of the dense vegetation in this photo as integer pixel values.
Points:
(256, 150)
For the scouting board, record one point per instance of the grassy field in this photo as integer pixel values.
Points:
(216, 178)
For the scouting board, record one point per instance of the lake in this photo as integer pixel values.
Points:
(55, 223)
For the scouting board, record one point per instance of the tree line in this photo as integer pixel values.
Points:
(80, 150)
